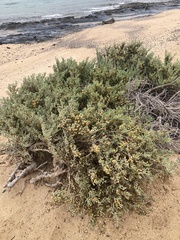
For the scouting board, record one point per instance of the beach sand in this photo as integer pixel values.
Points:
(159, 33)
(32, 216)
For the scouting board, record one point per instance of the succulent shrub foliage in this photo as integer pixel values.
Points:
(81, 125)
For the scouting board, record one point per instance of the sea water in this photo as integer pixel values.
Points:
(24, 10)
(27, 21)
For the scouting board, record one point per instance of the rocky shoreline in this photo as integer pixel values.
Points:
(47, 29)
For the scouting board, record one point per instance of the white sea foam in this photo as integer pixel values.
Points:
(52, 16)
(104, 8)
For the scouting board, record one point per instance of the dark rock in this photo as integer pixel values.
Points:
(109, 21)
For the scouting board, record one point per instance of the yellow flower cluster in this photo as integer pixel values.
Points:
(95, 148)
(106, 170)
(76, 153)
(35, 102)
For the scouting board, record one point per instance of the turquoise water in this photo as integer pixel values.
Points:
(23, 10)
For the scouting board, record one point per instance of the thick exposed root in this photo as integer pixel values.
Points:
(47, 175)
(54, 185)
(14, 177)
(51, 179)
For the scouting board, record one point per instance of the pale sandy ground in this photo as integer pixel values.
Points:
(31, 216)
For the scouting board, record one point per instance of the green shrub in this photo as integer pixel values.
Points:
(81, 120)
(134, 61)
